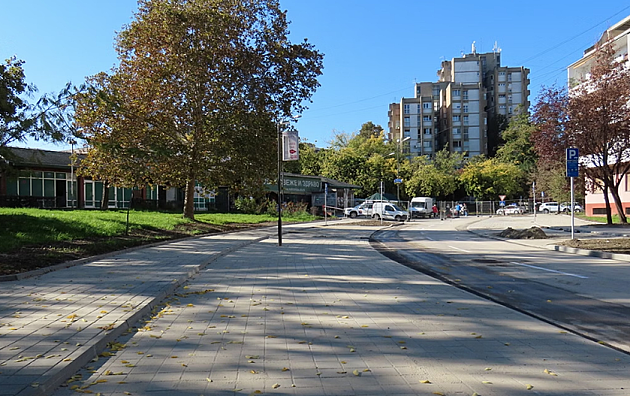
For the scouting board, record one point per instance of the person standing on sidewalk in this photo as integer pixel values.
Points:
(435, 211)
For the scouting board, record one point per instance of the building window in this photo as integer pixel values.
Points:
(418, 107)
(426, 105)
(406, 122)
(426, 118)
(456, 131)
(465, 108)
(426, 144)
(427, 131)
(502, 73)
(509, 76)
(457, 143)
(465, 95)
(456, 118)
(502, 96)
(456, 92)
(465, 120)
(406, 133)
(406, 109)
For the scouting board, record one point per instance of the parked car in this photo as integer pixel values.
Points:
(549, 207)
(364, 209)
(510, 209)
(388, 211)
(566, 207)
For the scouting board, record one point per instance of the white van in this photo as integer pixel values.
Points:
(421, 207)
(388, 211)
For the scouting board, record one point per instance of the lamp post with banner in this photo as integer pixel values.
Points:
(290, 146)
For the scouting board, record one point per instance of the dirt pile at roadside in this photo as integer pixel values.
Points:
(530, 233)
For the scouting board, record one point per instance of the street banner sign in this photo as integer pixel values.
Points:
(572, 162)
(290, 146)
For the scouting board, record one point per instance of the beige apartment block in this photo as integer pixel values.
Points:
(455, 111)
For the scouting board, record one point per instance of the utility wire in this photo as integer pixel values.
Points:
(574, 37)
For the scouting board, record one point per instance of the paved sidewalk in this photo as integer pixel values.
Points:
(53, 324)
(325, 314)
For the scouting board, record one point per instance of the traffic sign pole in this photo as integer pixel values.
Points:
(573, 156)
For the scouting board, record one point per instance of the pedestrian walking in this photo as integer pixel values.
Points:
(465, 209)
(435, 211)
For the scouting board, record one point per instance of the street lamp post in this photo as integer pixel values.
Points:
(279, 184)
(72, 196)
(279, 127)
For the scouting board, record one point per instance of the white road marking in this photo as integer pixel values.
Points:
(429, 238)
(550, 270)
(456, 248)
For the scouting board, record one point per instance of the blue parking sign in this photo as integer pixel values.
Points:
(573, 155)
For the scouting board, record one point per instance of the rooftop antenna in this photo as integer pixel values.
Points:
(474, 48)
(496, 47)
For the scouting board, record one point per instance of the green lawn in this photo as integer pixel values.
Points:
(23, 227)
(600, 219)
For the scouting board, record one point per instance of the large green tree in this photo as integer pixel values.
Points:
(518, 147)
(434, 178)
(49, 118)
(199, 90)
(487, 178)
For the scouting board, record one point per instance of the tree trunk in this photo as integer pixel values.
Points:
(189, 200)
(622, 215)
(609, 220)
(105, 198)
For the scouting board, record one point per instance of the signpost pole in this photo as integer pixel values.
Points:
(534, 193)
(572, 211)
(572, 171)
(279, 183)
(325, 203)
(381, 206)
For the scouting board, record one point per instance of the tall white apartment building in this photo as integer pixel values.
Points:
(454, 112)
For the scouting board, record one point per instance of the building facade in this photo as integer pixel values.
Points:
(455, 111)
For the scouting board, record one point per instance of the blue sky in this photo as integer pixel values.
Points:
(374, 50)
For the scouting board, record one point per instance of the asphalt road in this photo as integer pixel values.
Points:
(584, 295)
